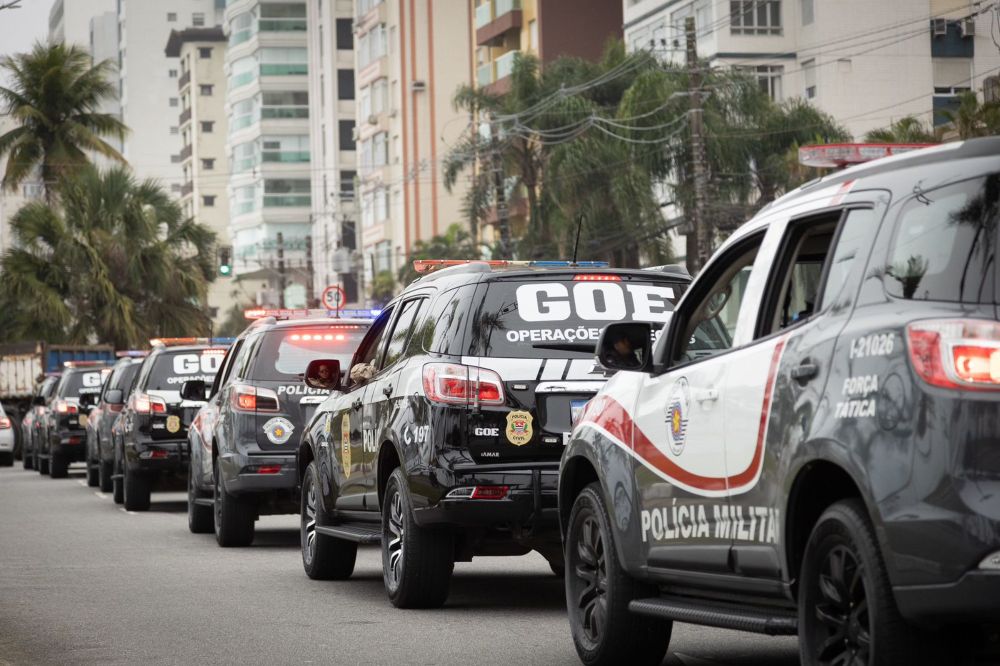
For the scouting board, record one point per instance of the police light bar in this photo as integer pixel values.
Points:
(132, 353)
(84, 364)
(423, 266)
(176, 342)
(303, 313)
(839, 155)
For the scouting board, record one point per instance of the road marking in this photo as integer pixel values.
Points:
(131, 513)
(82, 482)
(100, 494)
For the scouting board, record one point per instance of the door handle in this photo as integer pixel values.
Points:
(387, 391)
(706, 395)
(356, 404)
(805, 371)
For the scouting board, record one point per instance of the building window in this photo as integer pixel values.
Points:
(205, 89)
(208, 200)
(287, 192)
(346, 128)
(173, 101)
(345, 35)
(284, 61)
(207, 126)
(347, 185)
(755, 17)
(769, 78)
(174, 130)
(175, 159)
(533, 36)
(197, 19)
(172, 73)
(208, 164)
(371, 45)
(171, 17)
(345, 84)
(176, 187)
(809, 74)
(204, 51)
(285, 149)
(285, 104)
(808, 12)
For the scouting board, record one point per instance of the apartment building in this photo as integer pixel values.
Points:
(864, 63)
(547, 29)
(12, 200)
(201, 85)
(270, 183)
(334, 167)
(411, 57)
(147, 81)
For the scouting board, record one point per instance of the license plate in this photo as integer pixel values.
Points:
(576, 410)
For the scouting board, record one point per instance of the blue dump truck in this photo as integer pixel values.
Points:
(24, 364)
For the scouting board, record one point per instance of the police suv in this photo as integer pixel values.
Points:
(101, 420)
(152, 445)
(812, 447)
(31, 424)
(64, 421)
(444, 440)
(243, 441)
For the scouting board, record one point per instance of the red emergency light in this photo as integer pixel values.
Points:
(840, 155)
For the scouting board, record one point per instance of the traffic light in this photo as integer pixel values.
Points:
(225, 260)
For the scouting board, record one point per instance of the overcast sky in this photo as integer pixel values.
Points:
(23, 26)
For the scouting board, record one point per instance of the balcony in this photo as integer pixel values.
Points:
(187, 188)
(184, 80)
(495, 18)
(494, 76)
(185, 152)
(185, 115)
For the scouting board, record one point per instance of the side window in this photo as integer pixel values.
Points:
(447, 321)
(227, 366)
(113, 381)
(401, 332)
(711, 324)
(793, 288)
(945, 243)
(853, 239)
(241, 366)
(369, 348)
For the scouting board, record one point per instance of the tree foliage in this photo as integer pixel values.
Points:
(972, 118)
(907, 129)
(115, 263)
(55, 96)
(454, 243)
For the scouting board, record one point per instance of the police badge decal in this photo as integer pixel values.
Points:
(678, 408)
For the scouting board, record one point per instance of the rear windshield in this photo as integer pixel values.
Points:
(945, 244)
(172, 368)
(284, 353)
(563, 318)
(76, 384)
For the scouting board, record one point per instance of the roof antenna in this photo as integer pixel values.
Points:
(576, 245)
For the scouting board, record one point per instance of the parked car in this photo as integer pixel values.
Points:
(114, 393)
(6, 439)
(31, 424)
(64, 419)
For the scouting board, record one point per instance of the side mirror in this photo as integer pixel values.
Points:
(194, 389)
(625, 346)
(114, 397)
(323, 374)
(89, 400)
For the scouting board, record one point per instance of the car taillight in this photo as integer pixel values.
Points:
(254, 399)
(149, 404)
(66, 407)
(454, 384)
(4, 423)
(956, 353)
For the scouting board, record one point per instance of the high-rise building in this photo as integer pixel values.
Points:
(202, 120)
(334, 167)
(11, 200)
(411, 58)
(547, 29)
(147, 82)
(267, 98)
(865, 64)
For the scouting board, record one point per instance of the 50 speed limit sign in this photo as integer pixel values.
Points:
(333, 297)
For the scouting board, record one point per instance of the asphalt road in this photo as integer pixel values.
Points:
(84, 582)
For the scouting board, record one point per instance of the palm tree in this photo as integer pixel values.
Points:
(116, 263)
(973, 118)
(55, 96)
(905, 130)
(454, 243)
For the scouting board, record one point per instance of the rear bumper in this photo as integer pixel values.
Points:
(531, 504)
(71, 444)
(6, 440)
(157, 456)
(240, 473)
(972, 599)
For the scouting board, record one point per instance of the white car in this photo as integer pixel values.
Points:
(6, 439)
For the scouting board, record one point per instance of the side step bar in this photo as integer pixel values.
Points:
(774, 622)
(358, 532)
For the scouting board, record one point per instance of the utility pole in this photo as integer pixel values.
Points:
(503, 221)
(281, 270)
(310, 287)
(699, 239)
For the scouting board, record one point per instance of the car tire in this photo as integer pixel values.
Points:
(844, 591)
(7, 459)
(323, 557)
(43, 465)
(233, 517)
(137, 490)
(28, 462)
(417, 562)
(199, 517)
(104, 482)
(93, 478)
(603, 629)
(58, 466)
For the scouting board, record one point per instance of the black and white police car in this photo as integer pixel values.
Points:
(244, 440)
(444, 440)
(813, 445)
(104, 416)
(152, 442)
(65, 418)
